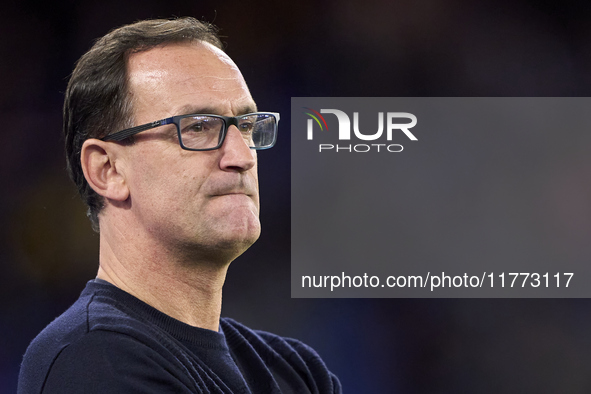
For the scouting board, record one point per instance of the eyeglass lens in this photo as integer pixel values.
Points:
(203, 131)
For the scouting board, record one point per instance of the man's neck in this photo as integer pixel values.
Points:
(191, 293)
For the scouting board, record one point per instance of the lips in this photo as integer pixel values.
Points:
(234, 193)
(245, 186)
(230, 190)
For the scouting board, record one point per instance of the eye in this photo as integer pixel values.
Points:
(200, 124)
(246, 125)
(197, 126)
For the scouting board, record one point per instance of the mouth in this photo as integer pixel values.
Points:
(234, 196)
(232, 193)
(238, 187)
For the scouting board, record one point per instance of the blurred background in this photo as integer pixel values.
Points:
(309, 48)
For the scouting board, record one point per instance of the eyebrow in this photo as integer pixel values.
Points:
(242, 110)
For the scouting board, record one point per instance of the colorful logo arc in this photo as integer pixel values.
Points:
(316, 118)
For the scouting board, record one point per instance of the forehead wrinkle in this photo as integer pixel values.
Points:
(216, 84)
(220, 78)
(244, 108)
(217, 78)
(236, 109)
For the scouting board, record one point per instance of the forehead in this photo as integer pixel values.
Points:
(167, 80)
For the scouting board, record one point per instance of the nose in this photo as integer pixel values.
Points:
(236, 154)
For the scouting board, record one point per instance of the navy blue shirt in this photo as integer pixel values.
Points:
(111, 342)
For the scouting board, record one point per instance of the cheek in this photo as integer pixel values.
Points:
(156, 184)
(168, 168)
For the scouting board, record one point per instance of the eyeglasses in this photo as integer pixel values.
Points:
(207, 132)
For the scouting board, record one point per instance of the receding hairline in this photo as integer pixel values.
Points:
(190, 43)
(139, 70)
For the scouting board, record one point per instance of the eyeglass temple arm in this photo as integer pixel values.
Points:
(121, 135)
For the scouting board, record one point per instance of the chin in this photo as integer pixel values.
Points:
(239, 226)
(226, 244)
(223, 252)
(242, 240)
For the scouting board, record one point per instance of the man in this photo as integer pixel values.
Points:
(161, 138)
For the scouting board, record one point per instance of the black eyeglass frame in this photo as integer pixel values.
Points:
(228, 121)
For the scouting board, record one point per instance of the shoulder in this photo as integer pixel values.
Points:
(282, 353)
(44, 349)
(97, 335)
(113, 362)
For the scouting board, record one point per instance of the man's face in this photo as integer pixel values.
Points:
(203, 203)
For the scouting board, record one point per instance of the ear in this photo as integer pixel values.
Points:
(99, 164)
